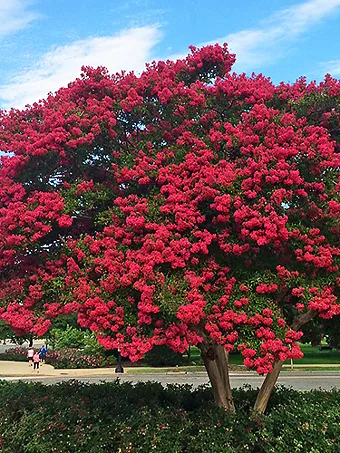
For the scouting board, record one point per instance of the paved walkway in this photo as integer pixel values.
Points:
(9, 368)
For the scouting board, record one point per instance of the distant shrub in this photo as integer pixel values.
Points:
(162, 356)
(74, 338)
(67, 338)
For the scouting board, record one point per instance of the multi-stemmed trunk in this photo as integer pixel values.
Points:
(215, 359)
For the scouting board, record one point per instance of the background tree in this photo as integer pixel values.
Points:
(185, 206)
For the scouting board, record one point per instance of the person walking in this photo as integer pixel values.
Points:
(36, 362)
(30, 354)
(42, 353)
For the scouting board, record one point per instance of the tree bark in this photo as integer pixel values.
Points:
(216, 363)
(222, 362)
(267, 388)
(302, 319)
(268, 384)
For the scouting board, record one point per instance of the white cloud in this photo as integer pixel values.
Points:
(132, 48)
(128, 50)
(332, 67)
(15, 15)
(299, 18)
(268, 43)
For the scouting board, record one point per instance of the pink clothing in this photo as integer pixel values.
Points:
(36, 358)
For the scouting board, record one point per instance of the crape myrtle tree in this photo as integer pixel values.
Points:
(185, 206)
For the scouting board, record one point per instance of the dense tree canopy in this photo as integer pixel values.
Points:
(185, 206)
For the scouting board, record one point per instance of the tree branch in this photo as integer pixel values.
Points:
(302, 319)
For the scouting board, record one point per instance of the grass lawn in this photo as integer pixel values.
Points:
(315, 356)
(312, 356)
(170, 370)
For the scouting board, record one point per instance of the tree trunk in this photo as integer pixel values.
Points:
(222, 362)
(267, 388)
(269, 383)
(216, 362)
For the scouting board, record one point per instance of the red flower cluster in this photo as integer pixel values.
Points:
(183, 206)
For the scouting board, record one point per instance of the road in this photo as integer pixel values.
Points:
(300, 380)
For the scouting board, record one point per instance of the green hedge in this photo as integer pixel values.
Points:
(18, 354)
(64, 358)
(74, 417)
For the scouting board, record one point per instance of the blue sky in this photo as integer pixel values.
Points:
(44, 43)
